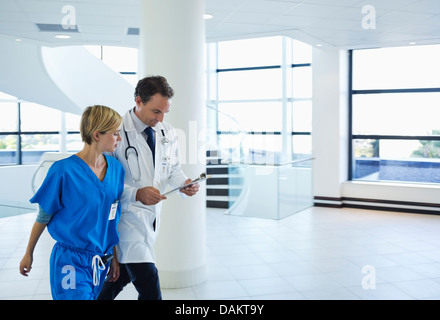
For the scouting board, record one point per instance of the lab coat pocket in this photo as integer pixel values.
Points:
(140, 221)
(131, 226)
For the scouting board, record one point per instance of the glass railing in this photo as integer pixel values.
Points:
(227, 146)
(272, 191)
(259, 183)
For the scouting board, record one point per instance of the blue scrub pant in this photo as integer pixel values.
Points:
(144, 277)
(71, 274)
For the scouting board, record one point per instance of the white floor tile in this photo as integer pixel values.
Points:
(266, 286)
(380, 292)
(316, 254)
(217, 290)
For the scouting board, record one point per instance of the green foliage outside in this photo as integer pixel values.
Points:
(428, 149)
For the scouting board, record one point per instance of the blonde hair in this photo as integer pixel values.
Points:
(98, 118)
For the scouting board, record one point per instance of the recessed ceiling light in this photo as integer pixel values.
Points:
(18, 40)
(412, 43)
(319, 45)
(208, 16)
(62, 36)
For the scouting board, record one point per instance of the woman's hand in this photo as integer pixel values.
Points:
(26, 264)
(114, 271)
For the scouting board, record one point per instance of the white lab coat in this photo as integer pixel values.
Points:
(136, 233)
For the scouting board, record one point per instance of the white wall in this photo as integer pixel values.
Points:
(15, 185)
(329, 126)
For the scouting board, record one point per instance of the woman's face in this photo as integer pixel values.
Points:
(109, 141)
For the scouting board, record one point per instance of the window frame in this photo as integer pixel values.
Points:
(283, 98)
(352, 137)
(19, 133)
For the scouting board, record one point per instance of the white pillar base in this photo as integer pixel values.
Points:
(182, 278)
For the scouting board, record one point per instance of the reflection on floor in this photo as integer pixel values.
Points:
(319, 253)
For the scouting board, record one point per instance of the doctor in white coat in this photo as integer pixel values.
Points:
(151, 161)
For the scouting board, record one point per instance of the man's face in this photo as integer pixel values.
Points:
(154, 110)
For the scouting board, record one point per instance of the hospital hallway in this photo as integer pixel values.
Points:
(320, 253)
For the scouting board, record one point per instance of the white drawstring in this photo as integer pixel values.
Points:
(97, 264)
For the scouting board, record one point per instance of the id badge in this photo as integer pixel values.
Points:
(165, 163)
(113, 210)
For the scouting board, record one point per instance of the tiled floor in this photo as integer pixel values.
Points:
(320, 253)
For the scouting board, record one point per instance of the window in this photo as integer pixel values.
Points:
(250, 53)
(8, 129)
(121, 59)
(261, 93)
(73, 140)
(246, 84)
(40, 127)
(260, 112)
(27, 130)
(395, 107)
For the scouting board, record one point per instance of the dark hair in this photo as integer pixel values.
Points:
(149, 86)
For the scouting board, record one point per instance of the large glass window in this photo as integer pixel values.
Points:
(35, 117)
(395, 108)
(73, 139)
(262, 95)
(8, 149)
(8, 120)
(397, 68)
(250, 116)
(8, 129)
(250, 53)
(121, 59)
(27, 130)
(250, 84)
(40, 127)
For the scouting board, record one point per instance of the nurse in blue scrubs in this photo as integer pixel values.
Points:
(79, 203)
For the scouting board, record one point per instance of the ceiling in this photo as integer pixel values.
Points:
(337, 23)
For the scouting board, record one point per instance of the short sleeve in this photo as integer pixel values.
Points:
(49, 194)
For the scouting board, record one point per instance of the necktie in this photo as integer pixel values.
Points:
(150, 140)
(152, 144)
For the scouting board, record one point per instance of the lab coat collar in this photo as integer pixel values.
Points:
(133, 123)
(138, 124)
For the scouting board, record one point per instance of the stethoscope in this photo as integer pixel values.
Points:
(132, 156)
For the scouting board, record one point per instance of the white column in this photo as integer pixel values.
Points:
(172, 38)
(330, 121)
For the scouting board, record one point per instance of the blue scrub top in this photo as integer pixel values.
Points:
(80, 204)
